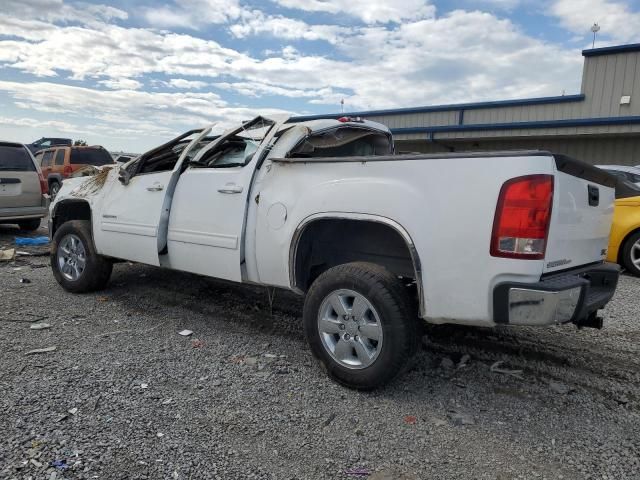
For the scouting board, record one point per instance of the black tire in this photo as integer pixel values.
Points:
(398, 319)
(627, 252)
(29, 225)
(54, 188)
(97, 270)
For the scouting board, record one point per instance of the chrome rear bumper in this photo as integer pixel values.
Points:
(573, 296)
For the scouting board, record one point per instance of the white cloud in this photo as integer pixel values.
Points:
(259, 89)
(369, 11)
(35, 123)
(186, 84)
(127, 113)
(193, 13)
(58, 11)
(121, 84)
(619, 22)
(255, 23)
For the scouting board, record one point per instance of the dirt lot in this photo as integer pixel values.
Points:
(124, 396)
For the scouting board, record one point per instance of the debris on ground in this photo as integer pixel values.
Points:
(251, 361)
(329, 419)
(38, 252)
(359, 472)
(560, 388)
(7, 255)
(447, 364)
(73, 410)
(102, 299)
(464, 360)
(410, 419)
(40, 326)
(41, 350)
(59, 464)
(185, 333)
(32, 241)
(25, 280)
(195, 343)
(460, 419)
(496, 368)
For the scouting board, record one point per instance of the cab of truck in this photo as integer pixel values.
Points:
(60, 162)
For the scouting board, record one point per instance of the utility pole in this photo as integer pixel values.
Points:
(595, 28)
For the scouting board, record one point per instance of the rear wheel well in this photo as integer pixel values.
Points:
(325, 243)
(70, 210)
(623, 243)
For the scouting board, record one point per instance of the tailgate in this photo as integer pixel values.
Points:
(581, 215)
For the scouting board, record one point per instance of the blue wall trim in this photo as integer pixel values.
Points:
(595, 52)
(444, 108)
(576, 122)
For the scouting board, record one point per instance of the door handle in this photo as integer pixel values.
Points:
(231, 188)
(156, 187)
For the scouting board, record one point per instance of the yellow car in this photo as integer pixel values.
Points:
(624, 242)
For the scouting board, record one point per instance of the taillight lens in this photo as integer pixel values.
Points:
(44, 187)
(523, 214)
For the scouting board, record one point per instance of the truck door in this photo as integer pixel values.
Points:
(206, 225)
(134, 203)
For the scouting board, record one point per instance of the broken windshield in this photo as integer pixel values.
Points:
(235, 148)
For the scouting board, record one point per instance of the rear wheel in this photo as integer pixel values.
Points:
(360, 324)
(75, 263)
(631, 254)
(29, 225)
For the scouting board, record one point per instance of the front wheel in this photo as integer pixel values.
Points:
(75, 263)
(631, 254)
(360, 323)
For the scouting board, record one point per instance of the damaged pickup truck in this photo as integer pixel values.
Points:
(376, 241)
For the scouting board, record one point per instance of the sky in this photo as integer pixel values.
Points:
(129, 75)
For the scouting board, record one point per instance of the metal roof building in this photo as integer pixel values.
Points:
(601, 124)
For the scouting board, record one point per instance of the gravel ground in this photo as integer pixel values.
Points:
(124, 396)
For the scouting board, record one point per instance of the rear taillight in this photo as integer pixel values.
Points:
(521, 224)
(67, 170)
(44, 188)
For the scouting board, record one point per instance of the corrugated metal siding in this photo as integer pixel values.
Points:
(606, 78)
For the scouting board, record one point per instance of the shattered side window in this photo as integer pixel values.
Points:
(233, 152)
(344, 142)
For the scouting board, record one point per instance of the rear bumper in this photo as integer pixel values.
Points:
(574, 296)
(25, 213)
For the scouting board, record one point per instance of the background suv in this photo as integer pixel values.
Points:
(49, 142)
(23, 189)
(59, 163)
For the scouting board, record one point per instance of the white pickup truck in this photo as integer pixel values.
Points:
(376, 241)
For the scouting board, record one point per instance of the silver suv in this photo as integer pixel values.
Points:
(23, 189)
